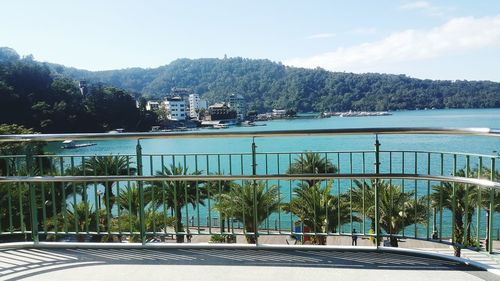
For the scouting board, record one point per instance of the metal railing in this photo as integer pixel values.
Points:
(143, 196)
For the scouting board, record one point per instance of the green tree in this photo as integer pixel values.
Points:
(252, 204)
(462, 199)
(129, 199)
(177, 194)
(129, 219)
(220, 190)
(397, 209)
(107, 166)
(311, 163)
(318, 209)
(20, 148)
(14, 217)
(80, 217)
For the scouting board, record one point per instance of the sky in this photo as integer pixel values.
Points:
(452, 40)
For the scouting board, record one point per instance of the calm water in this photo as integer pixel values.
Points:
(430, 118)
(210, 164)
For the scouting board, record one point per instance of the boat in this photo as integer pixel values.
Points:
(351, 113)
(251, 124)
(69, 144)
(116, 131)
(221, 126)
(247, 124)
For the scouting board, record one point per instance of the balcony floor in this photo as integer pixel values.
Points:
(227, 264)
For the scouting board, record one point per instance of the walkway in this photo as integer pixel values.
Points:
(492, 261)
(228, 264)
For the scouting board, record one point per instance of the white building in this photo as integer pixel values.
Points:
(195, 105)
(279, 113)
(237, 103)
(152, 105)
(176, 108)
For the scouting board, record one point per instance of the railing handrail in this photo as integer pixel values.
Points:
(275, 133)
(326, 176)
(169, 154)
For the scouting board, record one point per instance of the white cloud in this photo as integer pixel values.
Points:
(458, 35)
(427, 8)
(321, 36)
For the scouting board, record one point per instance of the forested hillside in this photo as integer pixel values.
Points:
(46, 97)
(266, 85)
(32, 96)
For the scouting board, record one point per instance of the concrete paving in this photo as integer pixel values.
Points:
(202, 263)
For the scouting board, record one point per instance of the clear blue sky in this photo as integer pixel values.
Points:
(424, 39)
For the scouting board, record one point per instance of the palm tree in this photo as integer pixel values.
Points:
(225, 206)
(102, 166)
(397, 209)
(485, 200)
(457, 197)
(153, 222)
(14, 216)
(51, 199)
(110, 166)
(178, 194)
(220, 189)
(80, 217)
(318, 209)
(311, 163)
(251, 204)
(129, 199)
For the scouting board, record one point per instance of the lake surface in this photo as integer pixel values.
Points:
(235, 158)
(464, 118)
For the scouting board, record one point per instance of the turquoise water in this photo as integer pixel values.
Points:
(428, 118)
(239, 163)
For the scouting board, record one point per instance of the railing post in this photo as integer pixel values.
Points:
(138, 150)
(491, 209)
(377, 205)
(429, 201)
(254, 183)
(479, 202)
(454, 205)
(33, 209)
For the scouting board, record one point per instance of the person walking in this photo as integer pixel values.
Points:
(354, 237)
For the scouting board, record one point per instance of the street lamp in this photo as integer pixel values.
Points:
(486, 240)
(99, 193)
(435, 234)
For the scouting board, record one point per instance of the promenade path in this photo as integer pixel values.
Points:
(197, 262)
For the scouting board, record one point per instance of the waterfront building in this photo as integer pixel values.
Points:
(278, 113)
(237, 103)
(183, 93)
(176, 108)
(195, 105)
(220, 111)
(152, 105)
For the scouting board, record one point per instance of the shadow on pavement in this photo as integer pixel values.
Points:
(16, 264)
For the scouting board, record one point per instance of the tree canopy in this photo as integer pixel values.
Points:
(33, 96)
(46, 97)
(265, 85)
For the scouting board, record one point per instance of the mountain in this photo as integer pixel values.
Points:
(32, 96)
(265, 85)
